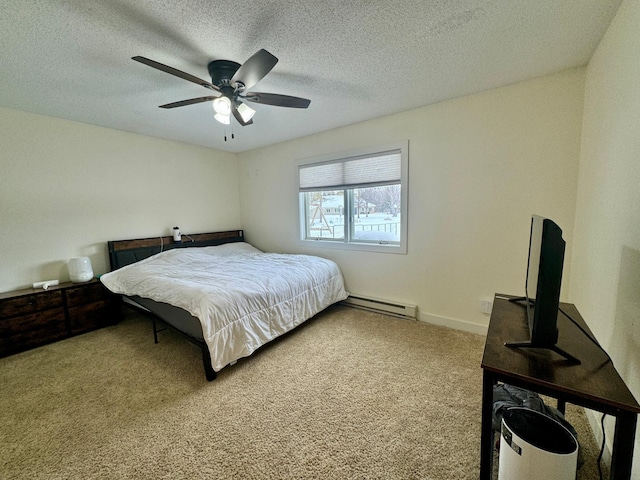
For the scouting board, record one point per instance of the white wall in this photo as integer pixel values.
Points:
(605, 283)
(479, 166)
(66, 188)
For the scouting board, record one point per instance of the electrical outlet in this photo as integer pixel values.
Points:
(486, 306)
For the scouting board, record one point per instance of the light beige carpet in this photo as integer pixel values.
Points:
(350, 394)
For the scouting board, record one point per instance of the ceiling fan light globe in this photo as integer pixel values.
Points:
(222, 106)
(224, 119)
(246, 112)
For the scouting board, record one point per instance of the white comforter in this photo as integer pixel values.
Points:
(242, 296)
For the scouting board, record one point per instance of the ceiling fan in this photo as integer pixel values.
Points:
(230, 81)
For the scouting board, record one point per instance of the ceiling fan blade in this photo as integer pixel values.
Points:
(176, 72)
(254, 69)
(238, 117)
(277, 100)
(191, 101)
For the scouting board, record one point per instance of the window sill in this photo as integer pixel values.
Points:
(363, 247)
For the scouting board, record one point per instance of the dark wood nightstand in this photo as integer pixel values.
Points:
(33, 317)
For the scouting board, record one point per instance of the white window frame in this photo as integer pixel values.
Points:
(347, 243)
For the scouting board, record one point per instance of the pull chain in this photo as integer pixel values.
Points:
(225, 134)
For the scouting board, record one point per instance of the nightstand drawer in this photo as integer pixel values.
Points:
(30, 303)
(91, 316)
(28, 331)
(86, 293)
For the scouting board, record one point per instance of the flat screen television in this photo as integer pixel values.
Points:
(542, 286)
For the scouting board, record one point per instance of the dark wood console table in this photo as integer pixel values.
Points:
(594, 384)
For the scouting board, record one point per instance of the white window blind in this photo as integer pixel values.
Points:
(364, 171)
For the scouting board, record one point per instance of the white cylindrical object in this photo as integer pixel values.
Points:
(80, 269)
(535, 446)
(46, 284)
(177, 236)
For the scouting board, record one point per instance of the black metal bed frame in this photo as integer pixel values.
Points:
(125, 252)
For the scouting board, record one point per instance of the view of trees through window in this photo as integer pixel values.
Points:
(370, 214)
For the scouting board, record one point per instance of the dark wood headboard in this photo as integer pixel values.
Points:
(125, 252)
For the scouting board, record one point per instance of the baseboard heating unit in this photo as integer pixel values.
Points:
(402, 310)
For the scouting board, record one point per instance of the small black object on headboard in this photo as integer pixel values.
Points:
(126, 252)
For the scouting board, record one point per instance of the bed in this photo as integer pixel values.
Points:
(225, 296)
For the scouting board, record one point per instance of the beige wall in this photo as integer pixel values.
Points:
(66, 188)
(605, 282)
(479, 166)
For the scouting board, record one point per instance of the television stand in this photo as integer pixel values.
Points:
(593, 384)
(529, 344)
(553, 348)
(520, 299)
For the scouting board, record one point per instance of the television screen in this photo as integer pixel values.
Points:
(544, 278)
(542, 287)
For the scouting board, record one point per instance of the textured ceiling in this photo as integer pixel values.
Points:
(355, 59)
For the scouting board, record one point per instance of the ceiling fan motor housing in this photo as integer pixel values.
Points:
(222, 71)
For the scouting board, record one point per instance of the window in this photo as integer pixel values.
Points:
(356, 200)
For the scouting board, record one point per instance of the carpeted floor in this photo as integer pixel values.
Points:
(350, 394)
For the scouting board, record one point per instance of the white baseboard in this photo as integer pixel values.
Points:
(410, 311)
(454, 323)
(399, 309)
